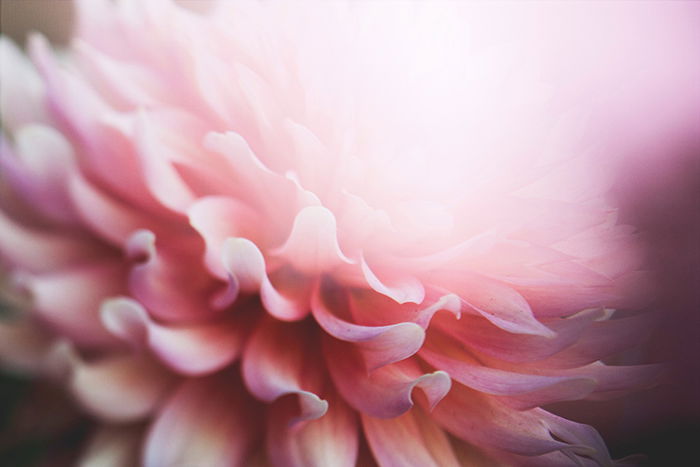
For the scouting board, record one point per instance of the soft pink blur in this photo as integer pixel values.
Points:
(296, 214)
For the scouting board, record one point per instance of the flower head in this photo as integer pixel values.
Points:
(319, 234)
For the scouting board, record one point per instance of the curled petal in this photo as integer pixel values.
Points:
(385, 392)
(380, 345)
(246, 267)
(169, 286)
(501, 305)
(331, 441)
(525, 391)
(216, 218)
(188, 349)
(401, 288)
(118, 388)
(263, 188)
(412, 439)
(487, 423)
(207, 421)
(278, 361)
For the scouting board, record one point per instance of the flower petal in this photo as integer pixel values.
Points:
(188, 349)
(385, 392)
(246, 267)
(312, 245)
(69, 300)
(501, 305)
(487, 423)
(412, 439)
(217, 218)
(121, 387)
(525, 391)
(401, 288)
(166, 282)
(207, 421)
(330, 441)
(279, 360)
(380, 345)
(43, 251)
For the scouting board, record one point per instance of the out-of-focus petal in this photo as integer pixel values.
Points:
(188, 349)
(69, 300)
(119, 388)
(207, 421)
(113, 446)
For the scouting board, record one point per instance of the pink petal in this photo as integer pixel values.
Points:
(385, 392)
(127, 85)
(279, 360)
(120, 388)
(217, 218)
(501, 305)
(380, 345)
(412, 439)
(246, 267)
(190, 350)
(482, 336)
(37, 251)
(156, 158)
(207, 421)
(312, 246)
(487, 423)
(265, 189)
(525, 391)
(601, 339)
(21, 90)
(42, 163)
(111, 219)
(170, 284)
(69, 300)
(399, 287)
(330, 441)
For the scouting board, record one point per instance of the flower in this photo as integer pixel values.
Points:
(316, 234)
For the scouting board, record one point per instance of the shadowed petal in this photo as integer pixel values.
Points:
(279, 360)
(411, 440)
(385, 392)
(330, 441)
(188, 349)
(207, 421)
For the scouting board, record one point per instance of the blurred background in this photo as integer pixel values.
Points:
(38, 425)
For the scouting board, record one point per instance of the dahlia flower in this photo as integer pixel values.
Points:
(318, 234)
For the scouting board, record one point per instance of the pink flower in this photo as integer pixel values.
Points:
(319, 234)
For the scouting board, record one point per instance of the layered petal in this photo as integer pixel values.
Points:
(206, 421)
